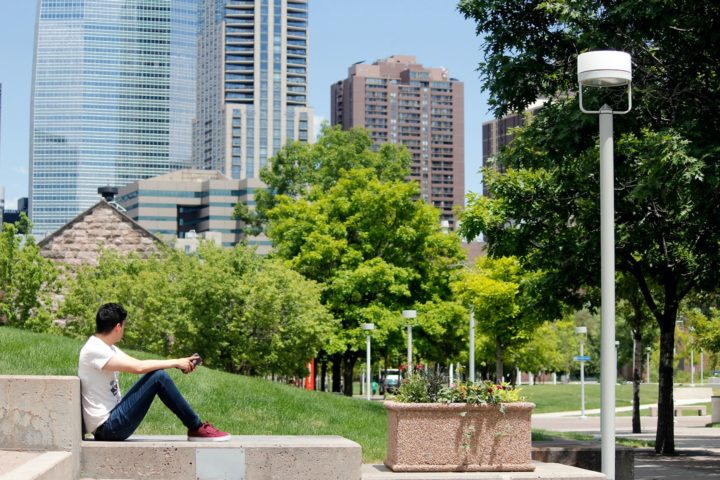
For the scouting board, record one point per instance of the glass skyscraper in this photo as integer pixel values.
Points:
(252, 83)
(113, 99)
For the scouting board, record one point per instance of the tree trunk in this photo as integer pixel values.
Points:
(323, 373)
(498, 360)
(349, 360)
(665, 436)
(637, 374)
(336, 375)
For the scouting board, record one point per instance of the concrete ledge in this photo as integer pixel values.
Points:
(41, 413)
(542, 471)
(242, 458)
(39, 466)
(584, 455)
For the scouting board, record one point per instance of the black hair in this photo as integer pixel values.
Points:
(108, 316)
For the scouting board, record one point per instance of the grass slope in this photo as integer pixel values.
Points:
(253, 406)
(241, 405)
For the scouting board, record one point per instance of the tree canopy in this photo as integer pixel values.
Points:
(354, 225)
(26, 278)
(243, 313)
(667, 176)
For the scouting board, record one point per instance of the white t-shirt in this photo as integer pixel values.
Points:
(99, 389)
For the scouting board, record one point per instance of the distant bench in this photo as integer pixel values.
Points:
(700, 409)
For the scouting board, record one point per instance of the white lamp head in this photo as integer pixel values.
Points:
(368, 326)
(581, 330)
(604, 68)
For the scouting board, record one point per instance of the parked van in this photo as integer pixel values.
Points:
(390, 380)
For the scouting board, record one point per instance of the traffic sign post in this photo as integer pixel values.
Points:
(582, 358)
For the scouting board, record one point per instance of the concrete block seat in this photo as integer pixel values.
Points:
(16, 465)
(242, 458)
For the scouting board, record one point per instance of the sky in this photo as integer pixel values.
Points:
(342, 32)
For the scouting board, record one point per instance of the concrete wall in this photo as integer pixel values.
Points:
(41, 413)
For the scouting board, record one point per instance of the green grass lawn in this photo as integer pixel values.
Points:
(566, 397)
(253, 406)
(241, 405)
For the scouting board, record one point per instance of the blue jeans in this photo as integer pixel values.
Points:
(127, 415)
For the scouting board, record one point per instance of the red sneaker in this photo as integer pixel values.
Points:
(207, 433)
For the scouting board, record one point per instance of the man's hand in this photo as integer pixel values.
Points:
(186, 364)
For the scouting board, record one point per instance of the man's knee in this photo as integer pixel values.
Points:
(160, 376)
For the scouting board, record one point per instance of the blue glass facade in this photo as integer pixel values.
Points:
(113, 99)
(252, 83)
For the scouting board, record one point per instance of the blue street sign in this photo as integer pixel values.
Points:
(583, 358)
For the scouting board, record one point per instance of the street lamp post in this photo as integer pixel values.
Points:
(472, 344)
(648, 350)
(617, 361)
(606, 68)
(582, 331)
(367, 328)
(409, 316)
(692, 359)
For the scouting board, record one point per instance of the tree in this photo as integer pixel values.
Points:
(26, 279)
(364, 237)
(667, 174)
(298, 167)
(500, 292)
(244, 314)
(550, 349)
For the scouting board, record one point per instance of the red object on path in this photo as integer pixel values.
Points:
(310, 379)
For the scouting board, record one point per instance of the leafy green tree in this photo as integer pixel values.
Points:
(242, 313)
(26, 279)
(667, 165)
(550, 349)
(298, 167)
(501, 293)
(363, 235)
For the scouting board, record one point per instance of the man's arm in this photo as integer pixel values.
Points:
(123, 362)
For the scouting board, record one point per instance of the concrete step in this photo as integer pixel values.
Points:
(546, 471)
(242, 458)
(36, 465)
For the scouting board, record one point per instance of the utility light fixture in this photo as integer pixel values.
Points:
(603, 69)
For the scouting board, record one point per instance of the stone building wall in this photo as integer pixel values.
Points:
(102, 227)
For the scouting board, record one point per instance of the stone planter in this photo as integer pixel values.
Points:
(456, 437)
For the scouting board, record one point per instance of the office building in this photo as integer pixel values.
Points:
(113, 99)
(252, 83)
(13, 215)
(400, 101)
(187, 203)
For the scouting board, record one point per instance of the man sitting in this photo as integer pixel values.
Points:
(106, 413)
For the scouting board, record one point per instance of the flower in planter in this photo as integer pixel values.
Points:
(431, 388)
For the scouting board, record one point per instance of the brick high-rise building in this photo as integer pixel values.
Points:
(400, 101)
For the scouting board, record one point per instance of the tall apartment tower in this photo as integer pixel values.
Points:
(400, 101)
(113, 99)
(252, 83)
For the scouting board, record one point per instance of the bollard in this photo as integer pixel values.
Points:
(715, 407)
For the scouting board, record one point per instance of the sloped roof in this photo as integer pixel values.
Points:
(101, 227)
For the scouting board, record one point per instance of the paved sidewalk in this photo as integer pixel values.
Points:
(698, 447)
